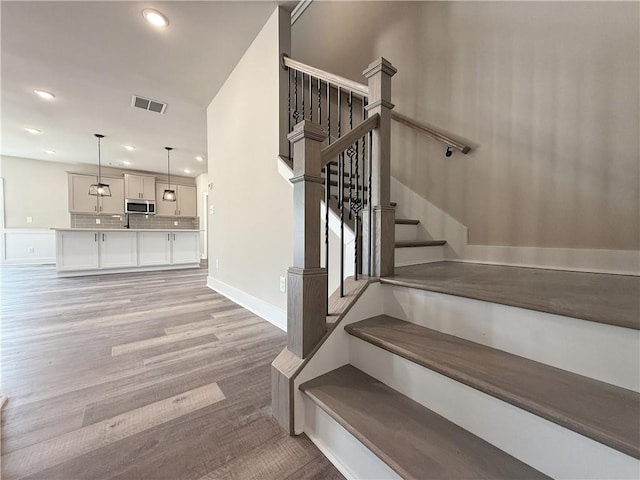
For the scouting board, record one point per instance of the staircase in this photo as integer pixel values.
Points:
(435, 370)
(465, 388)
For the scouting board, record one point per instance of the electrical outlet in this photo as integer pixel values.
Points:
(97, 221)
(217, 264)
(283, 284)
(29, 219)
(31, 250)
(175, 224)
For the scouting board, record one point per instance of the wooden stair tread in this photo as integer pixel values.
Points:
(421, 243)
(406, 221)
(597, 297)
(603, 412)
(414, 441)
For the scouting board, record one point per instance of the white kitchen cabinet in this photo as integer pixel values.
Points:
(81, 202)
(186, 201)
(113, 205)
(185, 204)
(76, 250)
(154, 248)
(118, 249)
(93, 252)
(185, 247)
(140, 187)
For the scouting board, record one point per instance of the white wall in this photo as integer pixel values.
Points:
(250, 240)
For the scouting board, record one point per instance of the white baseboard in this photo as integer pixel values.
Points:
(266, 310)
(621, 262)
(26, 246)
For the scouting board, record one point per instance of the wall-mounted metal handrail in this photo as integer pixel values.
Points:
(431, 132)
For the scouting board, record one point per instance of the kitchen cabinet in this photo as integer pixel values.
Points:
(76, 250)
(185, 247)
(154, 248)
(94, 252)
(81, 202)
(141, 187)
(185, 204)
(117, 249)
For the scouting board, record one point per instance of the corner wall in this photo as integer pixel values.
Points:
(251, 229)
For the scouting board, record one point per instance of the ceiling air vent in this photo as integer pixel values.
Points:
(148, 104)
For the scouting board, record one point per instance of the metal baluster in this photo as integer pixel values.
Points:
(320, 101)
(339, 111)
(364, 138)
(370, 206)
(288, 108)
(350, 153)
(303, 117)
(296, 114)
(341, 206)
(310, 98)
(327, 199)
(329, 112)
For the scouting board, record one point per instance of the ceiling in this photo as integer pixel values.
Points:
(94, 55)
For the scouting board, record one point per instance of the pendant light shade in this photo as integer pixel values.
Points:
(99, 189)
(169, 195)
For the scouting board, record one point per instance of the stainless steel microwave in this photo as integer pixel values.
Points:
(145, 207)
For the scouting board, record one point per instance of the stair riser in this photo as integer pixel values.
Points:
(406, 233)
(347, 453)
(418, 255)
(599, 351)
(548, 447)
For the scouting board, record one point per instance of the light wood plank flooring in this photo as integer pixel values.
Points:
(132, 376)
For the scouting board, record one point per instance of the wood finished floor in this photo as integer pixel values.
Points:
(139, 376)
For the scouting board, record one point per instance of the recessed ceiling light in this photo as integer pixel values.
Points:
(32, 131)
(125, 162)
(44, 94)
(186, 170)
(199, 158)
(155, 18)
(130, 148)
(50, 152)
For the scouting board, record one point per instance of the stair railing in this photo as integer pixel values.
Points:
(365, 150)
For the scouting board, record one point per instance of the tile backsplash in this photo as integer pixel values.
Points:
(79, 220)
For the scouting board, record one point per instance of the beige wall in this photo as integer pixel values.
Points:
(250, 232)
(547, 92)
(38, 189)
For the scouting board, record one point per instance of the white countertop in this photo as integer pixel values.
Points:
(126, 230)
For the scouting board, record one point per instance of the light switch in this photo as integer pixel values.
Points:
(210, 209)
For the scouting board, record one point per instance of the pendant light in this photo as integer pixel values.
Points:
(169, 195)
(99, 189)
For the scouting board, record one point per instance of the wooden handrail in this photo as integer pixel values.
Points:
(350, 138)
(355, 87)
(398, 117)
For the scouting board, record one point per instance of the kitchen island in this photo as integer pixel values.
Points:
(90, 251)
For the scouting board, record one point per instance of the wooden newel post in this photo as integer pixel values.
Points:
(307, 282)
(379, 75)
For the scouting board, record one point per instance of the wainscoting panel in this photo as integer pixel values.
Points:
(29, 246)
